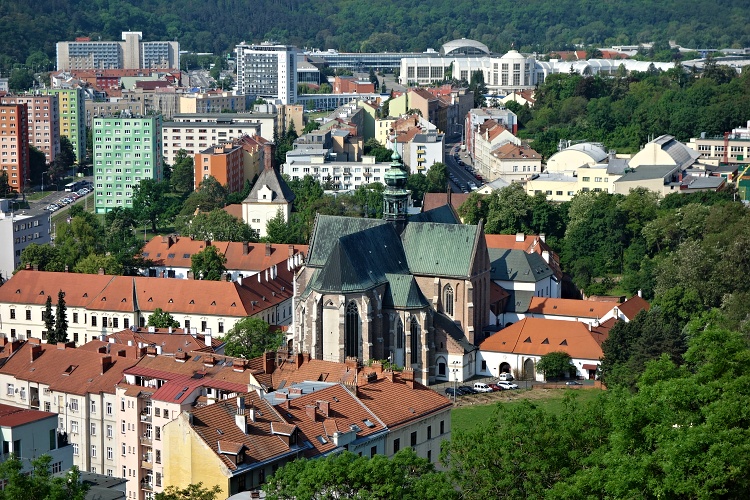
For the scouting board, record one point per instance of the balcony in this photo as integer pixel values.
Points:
(146, 417)
(147, 485)
(147, 465)
(145, 440)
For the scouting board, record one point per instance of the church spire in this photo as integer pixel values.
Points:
(395, 195)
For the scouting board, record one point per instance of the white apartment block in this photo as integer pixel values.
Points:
(423, 151)
(345, 176)
(17, 231)
(130, 53)
(196, 132)
(267, 70)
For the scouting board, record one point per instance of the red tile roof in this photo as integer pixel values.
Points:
(169, 343)
(436, 200)
(631, 307)
(71, 370)
(11, 416)
(512, 151)
(569, 307)
(32, 287)
(235, 210)
(537, 337)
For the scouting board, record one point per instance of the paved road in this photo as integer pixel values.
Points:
(464, 176)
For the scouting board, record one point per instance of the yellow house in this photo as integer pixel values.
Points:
(233, 444)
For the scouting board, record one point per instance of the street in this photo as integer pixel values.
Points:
(458, 172)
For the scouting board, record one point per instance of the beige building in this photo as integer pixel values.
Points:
(212, 102)
(131, 103)
(512, 162)
(269, 197)
(196, 132)
(130, 53)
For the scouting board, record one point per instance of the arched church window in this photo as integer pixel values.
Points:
(352, 330)
(414, 341)
(399, 335)
(448, 300)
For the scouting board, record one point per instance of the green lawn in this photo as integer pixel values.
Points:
(467, 417)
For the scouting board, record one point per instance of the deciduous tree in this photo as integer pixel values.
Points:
(251, 337)
(208, 264)
(190, 492)
(555, 365)
(162, 319)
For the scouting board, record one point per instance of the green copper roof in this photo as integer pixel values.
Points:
(519, 301)
(517, 265)
(403, 293)
(329, 228)
(443, 214)
(435, 249)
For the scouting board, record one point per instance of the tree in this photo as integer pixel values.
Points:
(45, 257)
(278, 230)
(418, 185)
(251, 337)
(478, 87)
(190, 492)
(38, 483)
(555, 365)
(49, 321)
(162, 319)
(4, 184)
(61, 319)
(93, 263)
(150, 201)
(183, 172)
(208, 264)
(67, 154)
(20, 80)
(346, 475)
(437, 177)
(218, 225)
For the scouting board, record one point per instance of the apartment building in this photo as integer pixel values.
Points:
(478, 116)
(224, 163)
(30, 433)
(14, 144)
(421, 150)
(130, 103)
(212, 102)
(513, 162)
(196, 132)
(72, 108)
(17, 231)
(99, 304)
(347, 175)
(129, 53)
(44, 122)
(267, 70)
(127, 149)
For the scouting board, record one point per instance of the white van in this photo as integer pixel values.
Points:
(482, 387)
(505, 377)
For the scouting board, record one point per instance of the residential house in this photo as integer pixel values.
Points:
(513, 162)
(18, 230)
(489, 137)
(269, 197)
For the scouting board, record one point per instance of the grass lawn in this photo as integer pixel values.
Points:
(468, 416)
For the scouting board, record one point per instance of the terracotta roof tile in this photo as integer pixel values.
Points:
(436, 200)
(569, 307)
(169, 343)
(71, 370)
(310, 370)
(537, 337)
(631, 307)
(32, 287)
(510, 150)
(235, 210)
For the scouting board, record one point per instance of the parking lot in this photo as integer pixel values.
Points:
(66, 198)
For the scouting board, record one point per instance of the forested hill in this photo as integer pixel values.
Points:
(217, 25)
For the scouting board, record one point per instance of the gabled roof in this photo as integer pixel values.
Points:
(455, 334)
(517, 265)
(32, 287)
(360, 261)
(316, 370)
(570, 307)
(169, 343)
(271, 178)
(216, 423)
(537, 337)
(435, 249)
(631, 307)
(511, 151)
(403, 293)
(435, 200)
(329, 228)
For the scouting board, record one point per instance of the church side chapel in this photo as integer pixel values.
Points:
(414, 290)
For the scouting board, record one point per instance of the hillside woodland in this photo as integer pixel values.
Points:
(28, 28)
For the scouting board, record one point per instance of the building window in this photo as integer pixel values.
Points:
(93, 429)
(75, 317)
(429, 432)
(28, 314)
(203, 326)
(351, 347)
(109, 408)
(110, 431)
(414, 341)
(448, 300)
(74, 426)
(74, 404)
(187, 323)
(93, 451)
(11, 389)
(110, 453)
(414, 438)
(75, 449)
(442, 427)
(396, 445)
(93, 406)
(12, 314)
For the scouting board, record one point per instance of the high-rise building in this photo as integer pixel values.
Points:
(14, 144)
(44, 122)
(267, 70)
(127, 150)
(224, 163)
(130, 53)
(72, 109)
(17, 231)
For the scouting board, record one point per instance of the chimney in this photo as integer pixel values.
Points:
(61, 345)
(291, 250)
(245, 247)
(106, 362)
(545, 256)
(591, 327)
(543, 237)
(268, 156)
(377, 366)
(251, 413)
(520, 237)
(238, 365)
(150, 351)
(351, 363)
(36, 267)
(408, 376)
(35, 352)
(239, 279)
(640, 293)
(101, 271)
(325, 408)
(28, 265)
(269, 362)
(208, 339)
(312, 412)
(298, 359)
(66, 268)
(239, 417)
(15, 345)
(268, 249)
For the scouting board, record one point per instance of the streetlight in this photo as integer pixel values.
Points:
(455, 378)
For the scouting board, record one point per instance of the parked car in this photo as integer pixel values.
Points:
(495, 387)
(505, 377)
(478, 177)
(573, 382)
(452, 393)
(482, 387)
(466, 389)
(507, 385)
(472, 186)
(461, 162)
